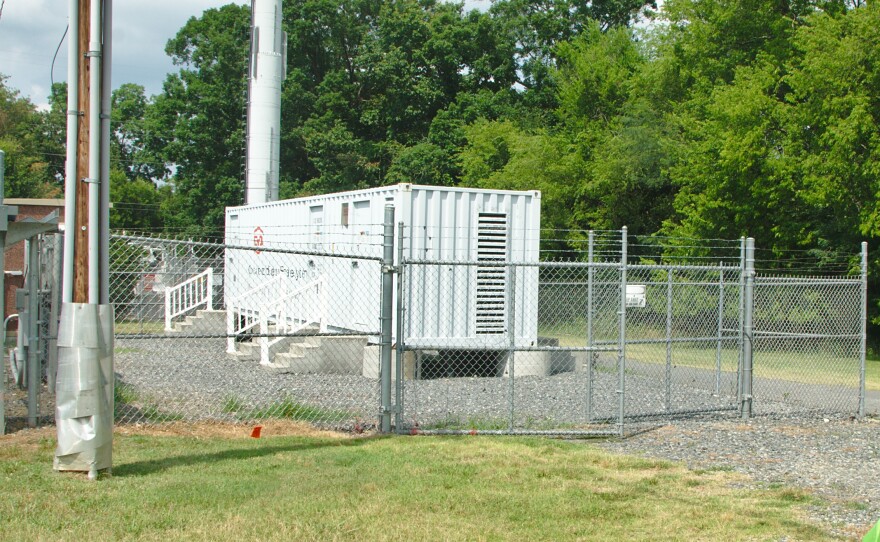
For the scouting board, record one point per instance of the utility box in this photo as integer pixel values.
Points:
(457, 290)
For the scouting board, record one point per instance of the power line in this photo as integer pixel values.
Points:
(52, 69)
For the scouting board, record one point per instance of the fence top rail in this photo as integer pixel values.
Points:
(248, 248)
(776, 279)
(795, 335)
(580, 265)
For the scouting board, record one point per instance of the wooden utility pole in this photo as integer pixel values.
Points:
(80, 233)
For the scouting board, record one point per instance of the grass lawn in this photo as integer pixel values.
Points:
(137, 327)
(326, 487)
(808, 367)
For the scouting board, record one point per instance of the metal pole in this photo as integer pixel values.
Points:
(590, 354)
(748, 330)
(55, 296)
(401, 346)
(742, 300)
(720, 329)
(2, 297)
(668, 402)
(386, 317)
(621, 335)
(70, 180)
(511, 334)
(34, 377)
(104, 195)
(94, 180)
(863, 346)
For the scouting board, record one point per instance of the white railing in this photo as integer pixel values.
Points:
(188, 295)
(241, 315)
(289, 312)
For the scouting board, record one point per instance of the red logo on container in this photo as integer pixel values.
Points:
(258, 238)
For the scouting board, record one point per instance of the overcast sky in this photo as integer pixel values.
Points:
(31, 29)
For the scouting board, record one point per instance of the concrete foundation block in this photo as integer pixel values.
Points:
(530, 363)
(372, 360)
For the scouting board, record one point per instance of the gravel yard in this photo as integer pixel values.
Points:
(835, 458)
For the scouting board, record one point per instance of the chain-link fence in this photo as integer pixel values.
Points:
(30, 349)
(595, 346)
(247, 328)
(216, 331)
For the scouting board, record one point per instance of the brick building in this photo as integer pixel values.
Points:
(15, 255)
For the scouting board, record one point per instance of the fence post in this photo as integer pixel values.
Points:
(621, 334)
(668, 401)
(210, 287)
(168, 309)
(863, 347)
(720, 331)
(34, 366)
(230, 329)
(741, 316)
(3, 292)
(748, 329)
(590, 353)
(55, 305)
(401, 347)
(511, 336)
(385, 318)
(264, 336)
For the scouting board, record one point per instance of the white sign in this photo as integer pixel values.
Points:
(635, 295)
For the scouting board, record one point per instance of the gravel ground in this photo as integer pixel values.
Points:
(836, 459)
(830, 455)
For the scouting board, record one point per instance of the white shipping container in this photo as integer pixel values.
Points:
(450, 306)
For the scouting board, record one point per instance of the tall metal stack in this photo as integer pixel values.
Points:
(267, 71)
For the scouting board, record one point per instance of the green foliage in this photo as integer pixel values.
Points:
(286, 409)
(33, 143)
(128, 263)
(501, 156)
(721, 119)
(200, 117)
(136, 203)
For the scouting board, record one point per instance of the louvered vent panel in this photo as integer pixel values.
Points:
(491, 299)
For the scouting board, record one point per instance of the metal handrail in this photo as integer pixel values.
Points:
(260, 315)
(188, 295)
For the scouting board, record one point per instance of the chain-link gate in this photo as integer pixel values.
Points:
(809, 345)
(596, 346)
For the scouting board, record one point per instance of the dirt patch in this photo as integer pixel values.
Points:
(17, 407)
(269, 428)
(27, 436)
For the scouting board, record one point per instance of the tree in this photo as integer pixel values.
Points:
(200, 117)
(501, 156)
(34, 156)
(133, 144)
